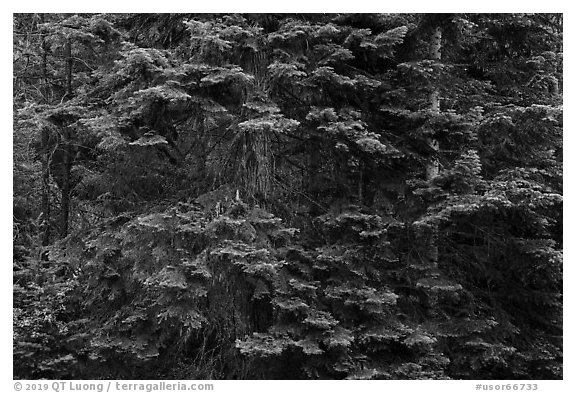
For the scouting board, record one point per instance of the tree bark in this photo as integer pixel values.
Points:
(45, 188)
(432, 168)
(69, 66)
(67, 149)
(44, 85)
(66, 189)
(312, 177)
(435, 54)
(45, 149)
(361, 184)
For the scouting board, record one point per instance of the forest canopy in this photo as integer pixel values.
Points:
(287, 196)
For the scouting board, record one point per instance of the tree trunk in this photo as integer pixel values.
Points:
(46, 154)
(435, 54)
(432, 168)
(203, 142)
(45, 188)
(67, 149)
(69, 66)
(313, 178)
(67, 166)
(44, 86)
(361, 184)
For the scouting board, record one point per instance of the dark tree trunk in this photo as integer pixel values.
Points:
(67, 149)
(69, 66)
(361, 183)
(313, 178)
(45, 188)
(45, 149)
(66, 166)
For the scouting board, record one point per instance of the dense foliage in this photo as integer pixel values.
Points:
(288, 196)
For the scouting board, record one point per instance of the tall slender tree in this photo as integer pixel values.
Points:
(432, 167)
